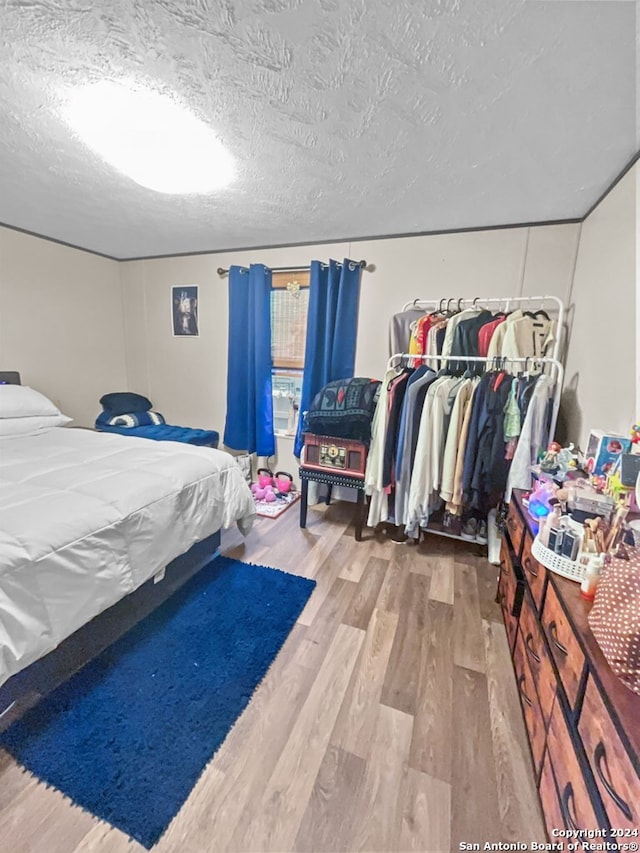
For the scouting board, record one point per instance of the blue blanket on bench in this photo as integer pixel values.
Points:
(165, 432)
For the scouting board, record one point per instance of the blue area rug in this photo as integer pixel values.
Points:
(128, 736)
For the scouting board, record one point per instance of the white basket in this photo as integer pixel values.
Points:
(555, 563)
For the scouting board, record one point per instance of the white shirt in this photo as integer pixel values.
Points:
(429, 449)
(463, 397)
(532, 437)
(495, 344)
(379, 505)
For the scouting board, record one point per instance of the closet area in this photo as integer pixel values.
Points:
(470, 395)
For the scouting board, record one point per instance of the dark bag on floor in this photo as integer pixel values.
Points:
(344, 409)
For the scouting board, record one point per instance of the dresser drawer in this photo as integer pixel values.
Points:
(574, 801)
(613, 769)
(539, 658)
(515, 528)
(510, 592)
(534, 573)
(529, 701)
(564, 646)
(549, 798)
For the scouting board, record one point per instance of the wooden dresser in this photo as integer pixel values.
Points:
(583, 723)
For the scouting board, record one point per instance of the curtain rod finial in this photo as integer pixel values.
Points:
(367, 267)
(222, 271)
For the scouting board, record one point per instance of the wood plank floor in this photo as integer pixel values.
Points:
(388, 722)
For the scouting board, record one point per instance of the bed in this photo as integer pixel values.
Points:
(87, 518)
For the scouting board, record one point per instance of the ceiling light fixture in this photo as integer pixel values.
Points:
(150, 138)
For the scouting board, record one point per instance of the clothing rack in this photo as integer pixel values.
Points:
(480, 301)
(552, 367)
(496, 362)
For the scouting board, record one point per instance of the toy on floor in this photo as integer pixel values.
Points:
(273, 493)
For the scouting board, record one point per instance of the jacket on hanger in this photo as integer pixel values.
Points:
(534, 436)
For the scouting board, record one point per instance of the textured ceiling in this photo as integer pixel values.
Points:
(347, 118)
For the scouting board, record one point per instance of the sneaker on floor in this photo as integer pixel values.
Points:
(452, 524)
(482, 535)
(470, 530)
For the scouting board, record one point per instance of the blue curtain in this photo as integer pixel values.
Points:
(249, 422)
(332, 323)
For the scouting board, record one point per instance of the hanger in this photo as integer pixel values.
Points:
(450, 312)
(536, 315)
(470, 371)
(444, 371)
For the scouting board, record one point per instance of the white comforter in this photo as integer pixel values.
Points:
(85, 518)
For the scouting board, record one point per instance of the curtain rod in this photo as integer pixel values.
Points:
(362, 264)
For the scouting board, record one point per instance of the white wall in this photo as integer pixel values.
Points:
(76, 325)
(186, 378)
(61, 322)
(602, 364)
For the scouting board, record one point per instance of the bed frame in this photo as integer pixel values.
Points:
(27, 687)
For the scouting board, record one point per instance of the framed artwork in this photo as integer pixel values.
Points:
(184, 311)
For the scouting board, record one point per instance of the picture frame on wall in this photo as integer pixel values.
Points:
(184, 311)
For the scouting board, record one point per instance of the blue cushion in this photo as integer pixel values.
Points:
(131, 419)
(167, 432)
(124, 402)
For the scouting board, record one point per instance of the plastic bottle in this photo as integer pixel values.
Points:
(592, 576)
(552, 520)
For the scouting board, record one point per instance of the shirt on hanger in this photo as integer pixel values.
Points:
(486, 333)
(533, 437)
(435, 338)
(454, 434)
(528, 337)
(428, 454)
(452, 325)
(455, 505)
(465, 340)
(486, 466)
(375, 458)
(412, 410)
(495, 344)
(400, 329)
(422, 330)
(396, 399)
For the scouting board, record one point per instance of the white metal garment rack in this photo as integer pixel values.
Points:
(506, 301)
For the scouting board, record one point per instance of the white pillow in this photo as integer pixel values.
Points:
(20, 401)
(22, 426)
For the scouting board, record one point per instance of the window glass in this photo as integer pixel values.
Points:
(287, 388)
(289, 308)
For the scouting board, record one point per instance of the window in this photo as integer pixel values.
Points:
(289, 306)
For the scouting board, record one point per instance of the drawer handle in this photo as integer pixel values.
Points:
(528, 642)
(553, 631)
(528, 563)
(569, 819)
(600, 758)
(522, 693)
